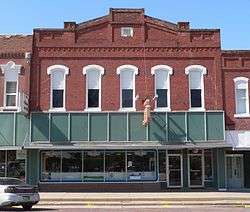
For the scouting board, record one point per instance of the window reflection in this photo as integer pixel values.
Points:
(115, 166)
(141, 165)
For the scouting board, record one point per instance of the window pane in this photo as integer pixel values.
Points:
(195, 97)
(162, 165)
(162, 100)
(208, 165)
(115, 166)
(127, 79)
(93, 167)
(11, 87)
(11, 100)
(57, 80)
(15, 165)
(141, 165)
(71, 166)
(195, 79)
(57, 98)
(241, 100)
(93, 97)
(93, 79)
(51, 166)
(2, 163)
(161, 79)
(127, 98)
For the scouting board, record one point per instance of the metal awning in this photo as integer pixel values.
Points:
(127, 145)
(10, 148)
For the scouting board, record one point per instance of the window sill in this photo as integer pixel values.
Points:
(93, 109)
(162, 109)
(11, 108)
(245, 115)
(57, 110)
(196, 109)
(127, 109)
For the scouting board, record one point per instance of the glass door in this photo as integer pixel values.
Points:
(234, 171)
(196, 175)
(174, 170)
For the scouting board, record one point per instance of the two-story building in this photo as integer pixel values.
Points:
(72, 106)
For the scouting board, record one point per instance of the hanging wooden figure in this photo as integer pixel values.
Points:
(147, 112)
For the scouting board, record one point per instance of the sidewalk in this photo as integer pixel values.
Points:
(158, 198)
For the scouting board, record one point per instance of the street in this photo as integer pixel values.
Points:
(137, 209)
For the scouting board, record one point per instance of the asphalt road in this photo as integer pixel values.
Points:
(131, 209)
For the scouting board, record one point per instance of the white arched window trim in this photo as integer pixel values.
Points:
(236, 81)
(203, 71)
(169, 71)
(50, 70)
(135, 72)
(101, 71)
(11, 72)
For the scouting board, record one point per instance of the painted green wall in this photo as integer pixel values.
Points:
(32, 172)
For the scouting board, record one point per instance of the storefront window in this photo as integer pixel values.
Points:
(208, 165)
(16, 164)
(51, 166)
(93, 166)
(71, 166)
(162, 165)
(115, 166)
(141, 165)
(2, 163)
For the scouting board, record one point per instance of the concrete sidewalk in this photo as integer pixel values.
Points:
(65, 196)
(146, 199)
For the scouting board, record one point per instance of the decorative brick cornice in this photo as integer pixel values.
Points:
(126, 49)
(12, 55)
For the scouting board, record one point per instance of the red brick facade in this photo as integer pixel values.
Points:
(155, 42)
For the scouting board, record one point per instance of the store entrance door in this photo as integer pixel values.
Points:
(234, 171)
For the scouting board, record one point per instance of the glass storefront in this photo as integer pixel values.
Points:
(141, 165)
(12, 163)
(124, 166)
(98, 166)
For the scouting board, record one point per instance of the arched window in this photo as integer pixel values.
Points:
(93, 86)
(196, 86)
(162, 86)
(241, 95)
(127, 86)
(58, 86)
(11, 72)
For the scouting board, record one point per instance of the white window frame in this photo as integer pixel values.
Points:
(51, 69)
(203, 71)
(101, 71)
(244, 80)
(135, 72)
(16, 70)
(123, 34)
(169, 71)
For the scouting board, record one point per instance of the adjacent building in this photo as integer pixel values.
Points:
(72, 102)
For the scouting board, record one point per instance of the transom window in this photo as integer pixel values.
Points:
(196, 86)
(162, 86)
(127, 31)
(11, 72)
(93, 86)
(127, 86)
(241, 95)
(58, 83)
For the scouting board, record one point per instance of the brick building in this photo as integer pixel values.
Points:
(87, 84)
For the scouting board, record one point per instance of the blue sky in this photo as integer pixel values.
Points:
(232, 17)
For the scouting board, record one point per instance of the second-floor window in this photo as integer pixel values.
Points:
(241, 95)
(11, 94)
(93, 86)
(196, 86)
(127, 86)
(11, 72)
(58, 84)
(162, 86)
